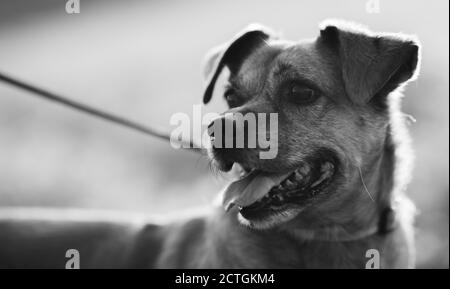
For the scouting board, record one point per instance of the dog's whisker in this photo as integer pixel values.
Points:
(213, 168)
(364, 184)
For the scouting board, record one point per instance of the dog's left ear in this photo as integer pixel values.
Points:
(373, 65)
(232, 54)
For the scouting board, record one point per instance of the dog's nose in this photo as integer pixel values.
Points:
(211, 126)
(219, 131)
(226, 133)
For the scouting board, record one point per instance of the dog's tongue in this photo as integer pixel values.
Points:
(250, 189)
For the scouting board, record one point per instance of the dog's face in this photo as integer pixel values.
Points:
(331, 97)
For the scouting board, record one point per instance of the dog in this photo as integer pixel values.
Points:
(332, 197)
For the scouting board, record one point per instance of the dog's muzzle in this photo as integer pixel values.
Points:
(229, 138)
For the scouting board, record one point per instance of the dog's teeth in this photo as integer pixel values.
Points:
(304, 170)
(298, 176)
(327, 167)
(289, 184)
(327, 171)
(278, 198)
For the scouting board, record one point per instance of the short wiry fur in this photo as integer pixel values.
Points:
(358, 119)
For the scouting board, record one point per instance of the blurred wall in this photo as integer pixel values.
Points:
(141, 59)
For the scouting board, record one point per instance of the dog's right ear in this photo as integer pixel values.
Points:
(232, 54)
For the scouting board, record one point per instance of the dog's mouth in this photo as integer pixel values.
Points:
(261, 195)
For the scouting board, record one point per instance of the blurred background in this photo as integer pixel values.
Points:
(142, 60)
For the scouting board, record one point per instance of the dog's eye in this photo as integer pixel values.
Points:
(231, 97)
(301, 94)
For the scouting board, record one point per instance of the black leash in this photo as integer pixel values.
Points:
(152, 131)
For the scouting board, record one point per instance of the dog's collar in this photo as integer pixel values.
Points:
(387, 221)
(386, 224)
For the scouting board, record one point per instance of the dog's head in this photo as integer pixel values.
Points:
(332, 96)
